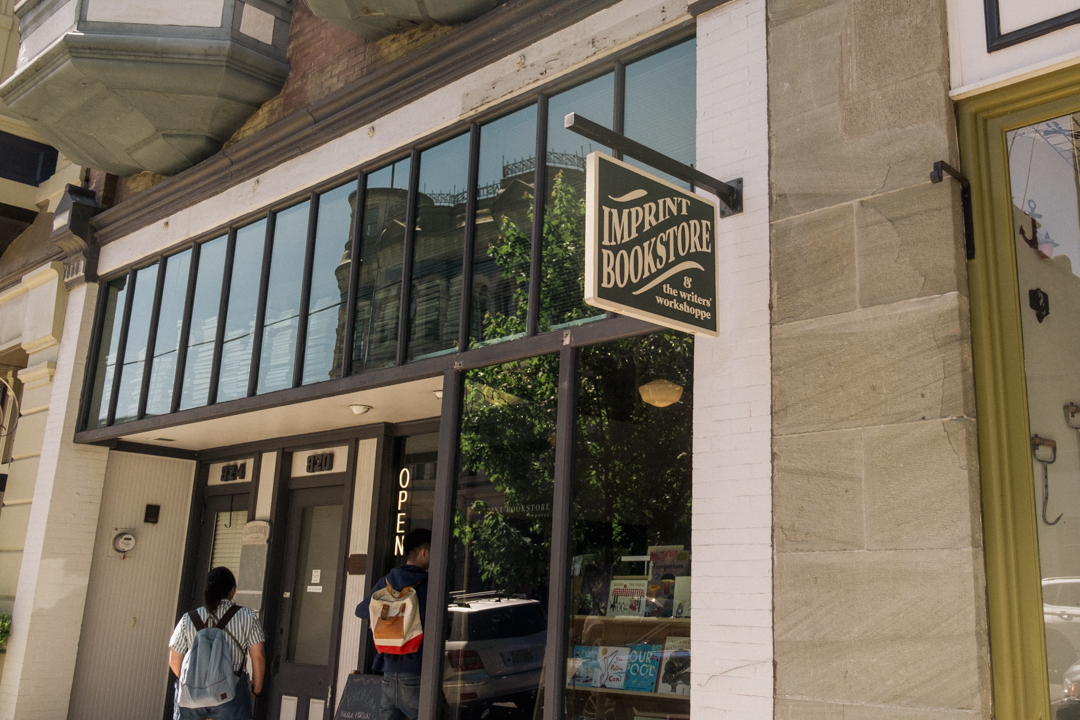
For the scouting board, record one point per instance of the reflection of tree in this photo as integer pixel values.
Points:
(508, 424)
(632, 462)
(562, 270)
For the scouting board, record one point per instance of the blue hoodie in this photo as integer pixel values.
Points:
(400, 577)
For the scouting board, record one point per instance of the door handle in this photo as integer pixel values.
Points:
(275, 665)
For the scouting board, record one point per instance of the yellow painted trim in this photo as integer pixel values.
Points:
(1010, 520)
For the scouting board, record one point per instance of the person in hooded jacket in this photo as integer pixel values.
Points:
(401, 673)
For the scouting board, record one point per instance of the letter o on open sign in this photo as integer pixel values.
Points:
(404, 478)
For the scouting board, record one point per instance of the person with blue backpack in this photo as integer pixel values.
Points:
(208, 654)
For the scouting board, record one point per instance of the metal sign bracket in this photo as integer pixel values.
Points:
(730, 194)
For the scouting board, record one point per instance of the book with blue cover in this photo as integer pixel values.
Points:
(643, 667)
(584, 667)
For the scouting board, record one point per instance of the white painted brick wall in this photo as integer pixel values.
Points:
(732, 629)
(59, 545)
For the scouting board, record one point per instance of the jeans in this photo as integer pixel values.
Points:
(400, 696)
(239, 708)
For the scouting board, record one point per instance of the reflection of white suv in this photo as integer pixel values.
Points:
(495, 650)
(1061, 615)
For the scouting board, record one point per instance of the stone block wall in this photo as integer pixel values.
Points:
(878, 565)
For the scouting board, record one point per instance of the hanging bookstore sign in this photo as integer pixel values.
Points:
(650, 248)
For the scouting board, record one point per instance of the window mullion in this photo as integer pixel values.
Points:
(407, 262)
(561, 504)
(260, 311)
(464, 321)
(356, 247)
(151, 340)
(185, 329)
(305, 291)
(532, 321)
(441, 523)
(223, 311)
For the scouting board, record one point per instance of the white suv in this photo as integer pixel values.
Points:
(495, 651)
(1061, 615)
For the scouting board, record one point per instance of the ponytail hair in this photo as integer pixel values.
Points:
(219, 583)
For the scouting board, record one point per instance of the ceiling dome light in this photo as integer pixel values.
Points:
(660, 393)
(361, 409)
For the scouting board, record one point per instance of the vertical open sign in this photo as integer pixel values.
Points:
(404, 481)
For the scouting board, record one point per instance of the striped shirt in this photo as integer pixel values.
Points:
(244, 627)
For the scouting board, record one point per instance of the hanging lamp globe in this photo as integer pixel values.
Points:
(660, 393)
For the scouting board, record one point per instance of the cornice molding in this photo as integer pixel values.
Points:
(472, 46)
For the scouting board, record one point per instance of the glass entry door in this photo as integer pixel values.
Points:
(1044, 174)
(305, 655)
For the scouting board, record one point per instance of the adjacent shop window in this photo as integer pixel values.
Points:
(1044, 180)
(240, 313)
(562, 275)
(138, 333)
(110, 322)
(502, 251)
(170, 325)
(382, 248)
(331, 264)
(630, 567)
(271, 303)
(203, 325)
(282, 313)
(501, 544)
(435, 293)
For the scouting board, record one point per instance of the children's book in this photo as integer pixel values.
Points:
(667, 563)
(584, 670)
(613, 662)
(675, 667)
(681, 598)
(595, 582)
(643, 667)
(668, 560)
(627, 597)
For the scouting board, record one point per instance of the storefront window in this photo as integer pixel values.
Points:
(204, 321)
(502, 254)
(170, 323)
(329, 285)
(241, 314)
(378, 292)
(283, 297)
(501, 543)
(294, 329)
(654, 85)
(629, 627)
(562, 275)
(1043, 171)
(131, 373)
(113, 318)
(435, 294)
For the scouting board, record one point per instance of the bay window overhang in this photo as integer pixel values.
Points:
(157, 86)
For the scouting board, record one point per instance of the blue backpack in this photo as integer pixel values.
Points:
(207, 678)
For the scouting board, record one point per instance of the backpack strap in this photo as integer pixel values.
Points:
(196, 621)
(227, 617)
